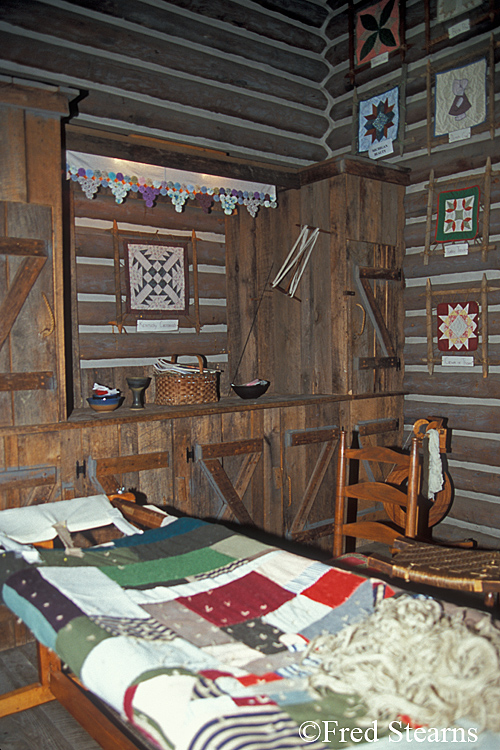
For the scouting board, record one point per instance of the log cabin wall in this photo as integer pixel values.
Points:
(269, 81)
(106, 345)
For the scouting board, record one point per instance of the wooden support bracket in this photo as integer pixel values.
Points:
(231, 494)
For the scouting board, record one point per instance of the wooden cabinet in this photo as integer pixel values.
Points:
(344, 333)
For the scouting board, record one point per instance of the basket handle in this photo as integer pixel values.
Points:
(202, 360)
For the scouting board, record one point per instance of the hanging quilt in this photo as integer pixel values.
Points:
(447, 9)
(457, 327)
(377, 30)
(378, 119)
(460, 98)
(157, 279)
(458, 212)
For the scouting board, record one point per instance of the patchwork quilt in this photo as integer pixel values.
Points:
(194, 633)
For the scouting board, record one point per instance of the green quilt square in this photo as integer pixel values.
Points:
(458, 213)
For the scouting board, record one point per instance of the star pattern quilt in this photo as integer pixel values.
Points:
(193, 632)
(457, 326)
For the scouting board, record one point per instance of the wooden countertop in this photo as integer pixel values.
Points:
(85, 417)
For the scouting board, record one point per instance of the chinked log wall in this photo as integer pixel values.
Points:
(107, 353)
(470, 402)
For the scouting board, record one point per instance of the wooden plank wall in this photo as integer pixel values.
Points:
(268, 80)
(102, 353)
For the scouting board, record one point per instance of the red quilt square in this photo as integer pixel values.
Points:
(245, 599)
(334, 588)
(457, 326)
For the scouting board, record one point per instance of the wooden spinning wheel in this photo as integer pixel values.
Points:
(442, 502)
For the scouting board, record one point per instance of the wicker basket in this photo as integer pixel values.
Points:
(175, 388)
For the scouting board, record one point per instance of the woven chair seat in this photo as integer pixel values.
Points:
(464, 569)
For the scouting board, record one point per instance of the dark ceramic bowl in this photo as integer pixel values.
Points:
(251, 391)
(105, 403)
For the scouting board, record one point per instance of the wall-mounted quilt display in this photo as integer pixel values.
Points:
(447, 9)
(457, 326)
(152, 182)
(458, 213)
(460, 97)
(453, 18)
(375, 31)
(378, 120)
(157, 279)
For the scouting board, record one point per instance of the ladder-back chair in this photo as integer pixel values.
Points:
(392, 491)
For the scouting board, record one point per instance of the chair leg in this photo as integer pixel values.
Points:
(338, 538)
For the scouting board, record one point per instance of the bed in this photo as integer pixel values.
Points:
(197, 636)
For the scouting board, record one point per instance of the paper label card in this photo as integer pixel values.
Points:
(456, 248)
(457, 361)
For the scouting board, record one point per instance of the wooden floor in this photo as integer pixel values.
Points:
(48, 727)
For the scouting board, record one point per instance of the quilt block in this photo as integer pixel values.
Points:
(157, 279)
(458, 214)
(457, 327)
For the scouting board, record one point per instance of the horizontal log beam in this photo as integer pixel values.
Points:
(109, 346)
(98, 243)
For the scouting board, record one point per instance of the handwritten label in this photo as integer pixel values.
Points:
(459, 28)
(459, 135)
(156, 326)
(457, 361)
(456, 248)
(382, 148)
(379, 59)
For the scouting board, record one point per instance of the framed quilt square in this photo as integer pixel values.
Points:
(447, 9)
(458, 212)
(376, 30)
(378, 119)
(460, 98)
(457, 327)
(157, 279)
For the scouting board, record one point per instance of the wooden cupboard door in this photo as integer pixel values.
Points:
(309, 440)
(374, 317)
(28, 347)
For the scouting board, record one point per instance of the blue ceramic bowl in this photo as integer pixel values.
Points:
(251, 391)
(105, 403)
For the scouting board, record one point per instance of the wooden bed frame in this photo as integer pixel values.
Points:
(56, 683)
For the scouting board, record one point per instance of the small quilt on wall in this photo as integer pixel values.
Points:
(378, 119)
(457, 326)
(460, 98)
(157, 279)
(447, 9)
(377, 30)
(458, 212)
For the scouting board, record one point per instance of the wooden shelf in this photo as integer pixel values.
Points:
(151, 412)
